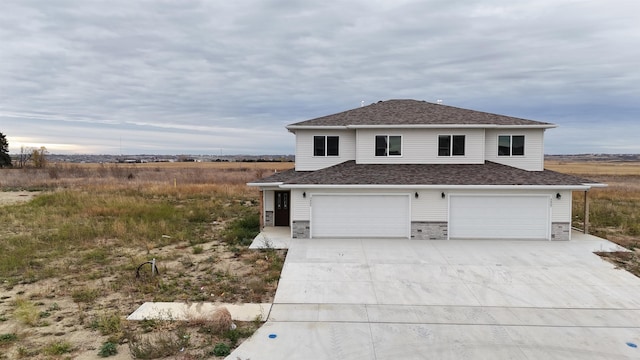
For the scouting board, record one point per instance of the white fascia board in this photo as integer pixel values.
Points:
(272, 184)
(452, 126)
(596, 185)
(541, 126)
(315, 127)
(441, 187)
(420, 126)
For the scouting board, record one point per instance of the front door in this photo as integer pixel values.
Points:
(282, 208)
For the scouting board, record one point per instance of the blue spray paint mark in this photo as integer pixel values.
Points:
(272, 336)
(630, 344)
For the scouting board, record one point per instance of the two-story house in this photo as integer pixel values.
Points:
(413, 169)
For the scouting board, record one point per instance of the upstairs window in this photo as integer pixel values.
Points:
(325, 146)
(388, 145)
(510, 145)
(450, 145)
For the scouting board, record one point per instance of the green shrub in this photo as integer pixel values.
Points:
(8, 338)
(221, 349)
(243, 230)
(108, 349)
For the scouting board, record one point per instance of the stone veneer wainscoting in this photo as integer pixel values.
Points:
(429, 230)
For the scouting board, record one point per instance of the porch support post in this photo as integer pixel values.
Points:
(261, 209)
(586, 212)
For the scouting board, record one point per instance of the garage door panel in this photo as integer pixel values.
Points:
(485, 217)
(360, 216)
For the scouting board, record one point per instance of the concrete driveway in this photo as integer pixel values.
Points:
(408, 299)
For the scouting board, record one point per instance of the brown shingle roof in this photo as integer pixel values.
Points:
(414, 112)
(282, 176)
(489, 173)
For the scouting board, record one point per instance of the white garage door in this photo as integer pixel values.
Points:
(499, 217)
(360, 216)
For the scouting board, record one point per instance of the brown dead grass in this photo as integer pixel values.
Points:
(132, 175)
(614, 210)
(83, 293)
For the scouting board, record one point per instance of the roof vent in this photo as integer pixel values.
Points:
(439, 101)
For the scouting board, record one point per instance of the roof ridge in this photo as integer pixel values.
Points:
(415, 112)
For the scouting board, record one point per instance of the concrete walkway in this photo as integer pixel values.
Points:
(273, 237)
(407, 299)
(191, 311)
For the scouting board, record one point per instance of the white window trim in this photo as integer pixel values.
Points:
(451, 146)
(524, 153)
(388, 136)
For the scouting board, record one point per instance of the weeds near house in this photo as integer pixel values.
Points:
(108, 349)
(85, 295)
(57, 348)
(26, 312)
(221, 349)
(197, 250)
(614, 211)
(108, 324)
(84, 236)
(242, 231)
(7, 339)
(156, 345)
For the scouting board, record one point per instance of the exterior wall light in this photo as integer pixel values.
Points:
(443, 195)
(304, 194)
(558, 196)
(416, 195)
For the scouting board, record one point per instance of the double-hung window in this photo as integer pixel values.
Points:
(388, 145)
(510, 145)
(450, 145)
(325, 146)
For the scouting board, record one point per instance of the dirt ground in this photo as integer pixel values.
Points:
(61, 318)
(14, 197)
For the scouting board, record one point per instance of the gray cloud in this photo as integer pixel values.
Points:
(197, 76)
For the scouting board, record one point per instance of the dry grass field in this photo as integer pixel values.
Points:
(614, 210)
(68, 257)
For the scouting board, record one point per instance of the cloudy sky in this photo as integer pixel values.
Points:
(225, 77)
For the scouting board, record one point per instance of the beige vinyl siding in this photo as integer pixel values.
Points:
(305, 161)
(300, 205)
(561, 209)
(533, 158)
(429, 206)
(420, 146)
(269, 200)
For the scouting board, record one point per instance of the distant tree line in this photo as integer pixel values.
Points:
(28, 156)
(5, 159)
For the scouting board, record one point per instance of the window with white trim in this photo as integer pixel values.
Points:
(325, 145)
(388, 145)
(510, 145)
(451, 145)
